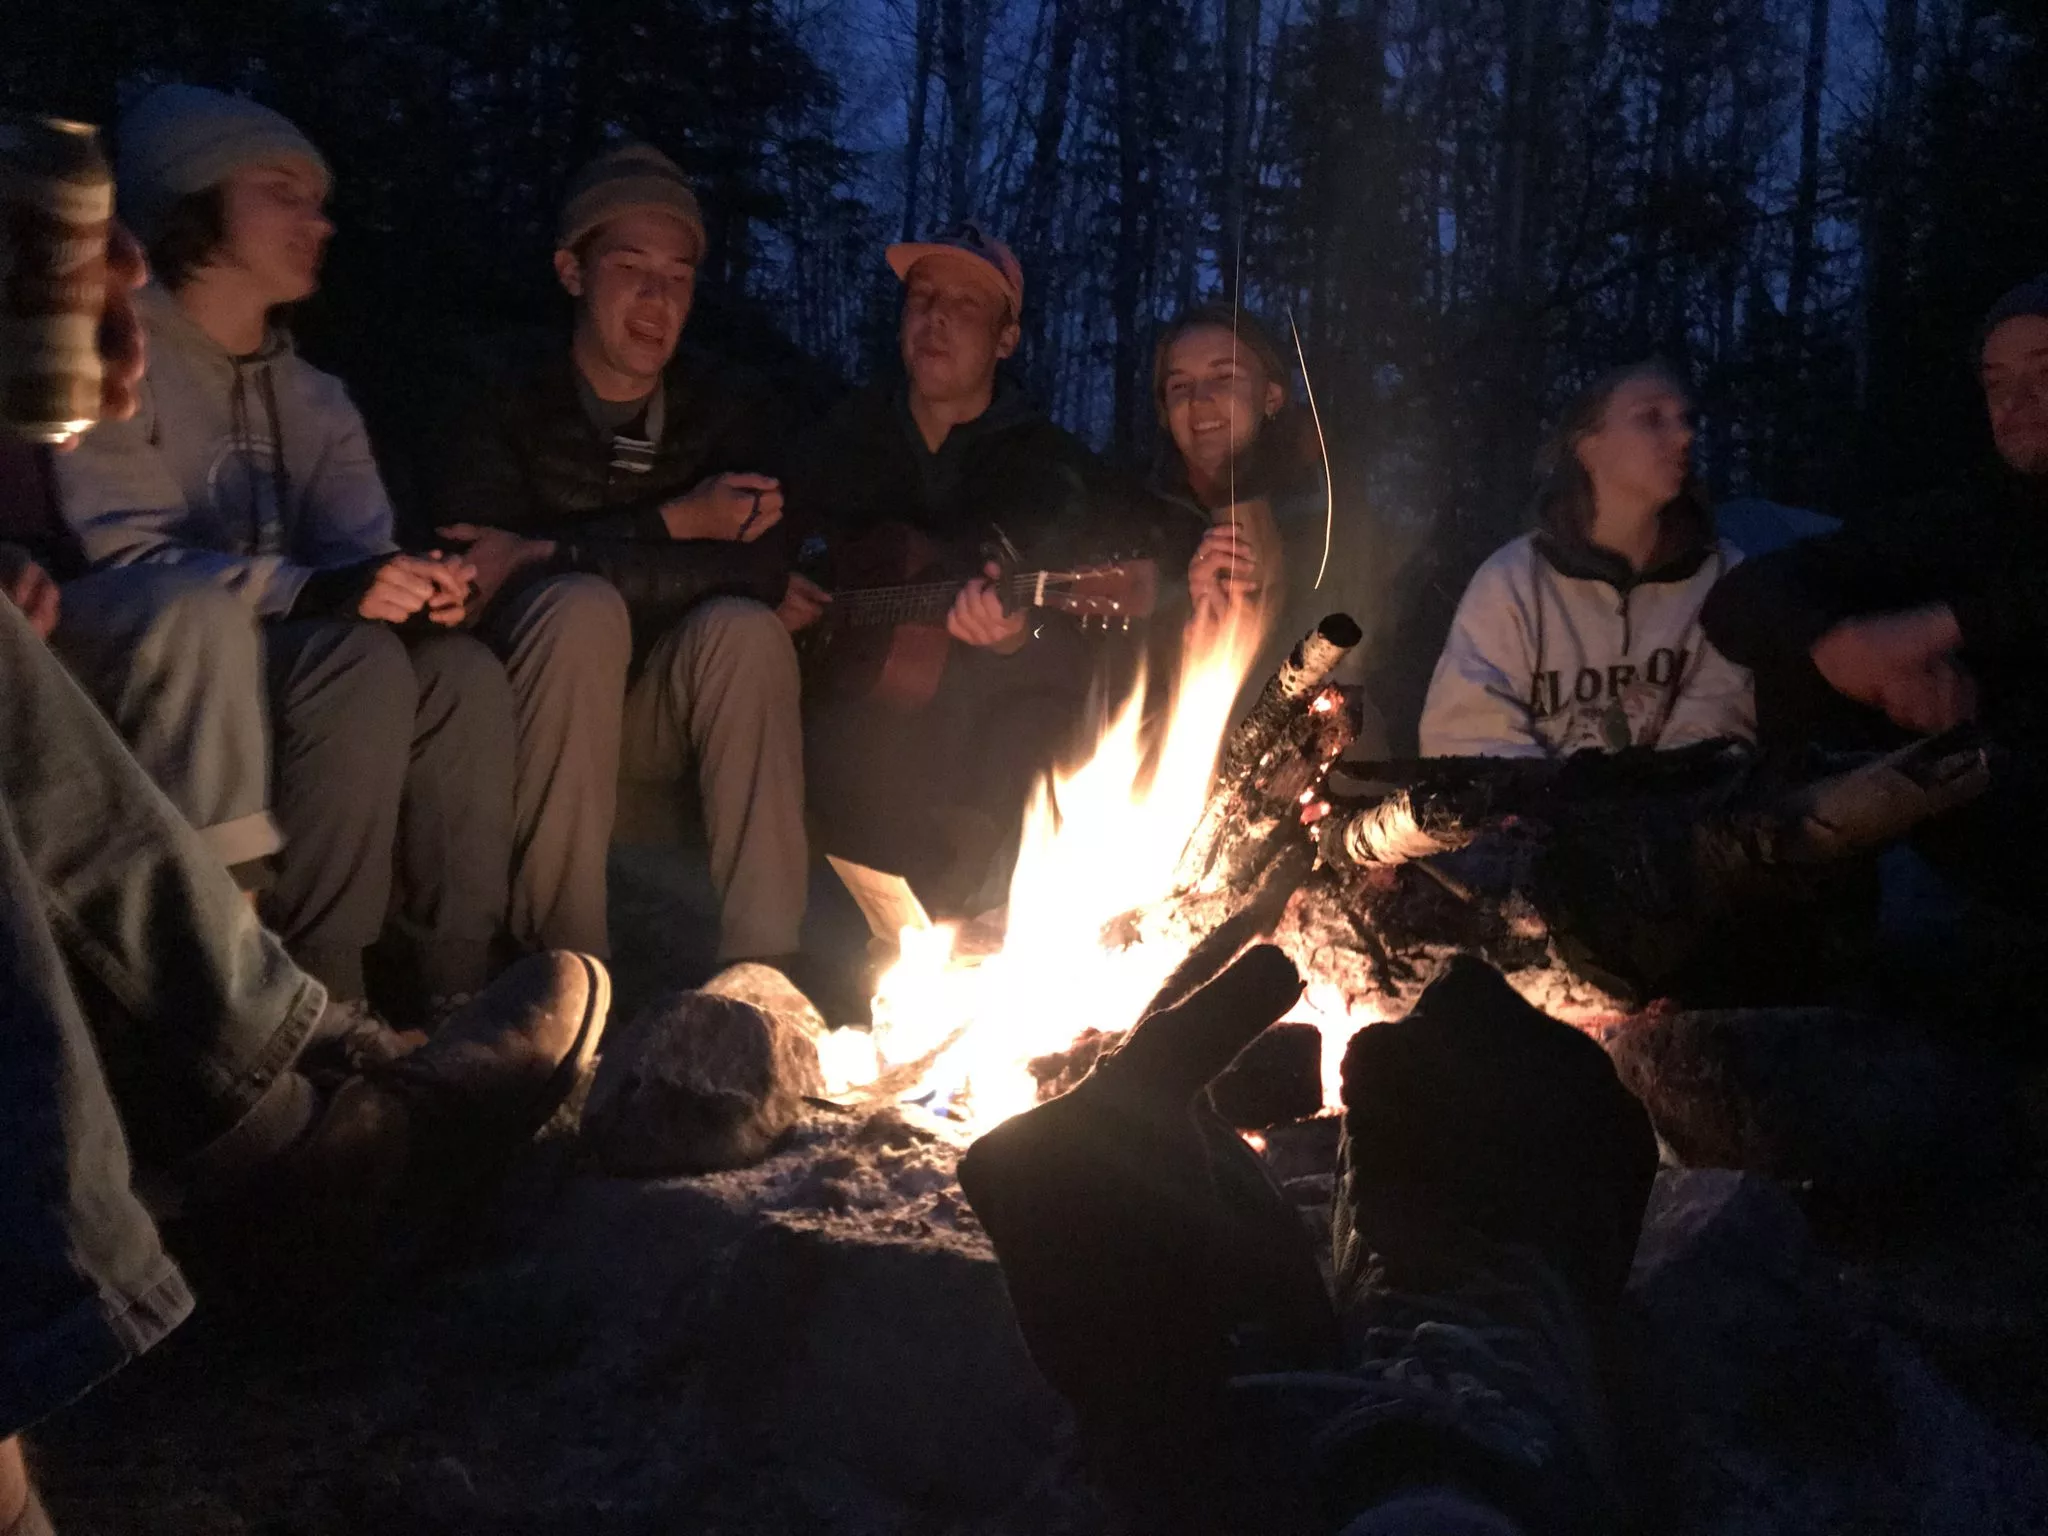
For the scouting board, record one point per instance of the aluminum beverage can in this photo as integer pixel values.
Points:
(56, 202)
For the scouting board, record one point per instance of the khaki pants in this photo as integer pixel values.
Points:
(718, 698)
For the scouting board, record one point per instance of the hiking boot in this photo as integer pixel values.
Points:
(399, 1147)
(505, 1062)
(1479, 1115)
(1146, 1252)
(1493, 1177)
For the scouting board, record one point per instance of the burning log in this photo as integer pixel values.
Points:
(1705, 874)
(1276, 1080)
(1449, 802)
(1274, 757)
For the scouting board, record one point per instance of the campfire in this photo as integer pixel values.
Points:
(1598, 886)
(1104, 904)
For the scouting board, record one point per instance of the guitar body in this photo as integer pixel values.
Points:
(895, 665)
(883, 639)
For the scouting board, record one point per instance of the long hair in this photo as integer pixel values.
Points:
(1563, 506)
(1281, 452)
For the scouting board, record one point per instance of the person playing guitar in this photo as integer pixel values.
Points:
(951, 476)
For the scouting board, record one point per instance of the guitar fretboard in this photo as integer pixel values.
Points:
(924, 602)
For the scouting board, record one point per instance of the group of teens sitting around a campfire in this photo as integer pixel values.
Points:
(265, 760)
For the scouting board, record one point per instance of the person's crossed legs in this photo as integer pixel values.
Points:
(148, 1013)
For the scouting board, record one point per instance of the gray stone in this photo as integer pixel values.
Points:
(702, 1081)
(1848, 1101)
(771, 992)
(1276, 1080)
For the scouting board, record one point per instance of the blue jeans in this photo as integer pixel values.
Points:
(143, 1013)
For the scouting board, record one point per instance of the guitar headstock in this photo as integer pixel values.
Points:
(1114, 594)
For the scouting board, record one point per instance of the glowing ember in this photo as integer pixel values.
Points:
(1100, 841)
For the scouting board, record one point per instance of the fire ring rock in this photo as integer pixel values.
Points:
(705, 1080)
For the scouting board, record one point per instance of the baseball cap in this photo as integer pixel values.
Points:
(966, 241)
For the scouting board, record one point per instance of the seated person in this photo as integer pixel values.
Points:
(171, 660)
(248, 470)
(953, 460)
(1586, 632)
(1913, 620)
(152, 1026)
(610, 495)
(1245, 458)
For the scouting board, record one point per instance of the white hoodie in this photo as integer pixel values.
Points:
(1557, 649)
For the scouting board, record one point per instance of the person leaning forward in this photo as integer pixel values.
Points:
(963, 459)
(611, 499)
(1916, 618)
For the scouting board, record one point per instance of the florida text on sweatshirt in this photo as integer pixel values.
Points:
(1557, 647)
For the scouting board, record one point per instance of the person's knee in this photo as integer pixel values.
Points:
(577, 623)
(361, 676)
(735, 638)
(463, 666)
(176, 619)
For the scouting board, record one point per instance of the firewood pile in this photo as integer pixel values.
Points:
(1598, 885)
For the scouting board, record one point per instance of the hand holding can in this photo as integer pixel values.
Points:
(56, 208)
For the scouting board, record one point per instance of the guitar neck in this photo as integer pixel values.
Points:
(925, 602)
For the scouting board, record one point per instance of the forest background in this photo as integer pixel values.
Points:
(1467, 207)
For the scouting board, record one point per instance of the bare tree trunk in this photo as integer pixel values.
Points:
(1517, 387)
(1883, 238)
(1043, 179)
(1042, 183)
(1806, 205)
(1240, 26)
(1128, 273)
(1511, 183)
(1651, 277)
(1725, 441)
(920, 100)
(963, 40)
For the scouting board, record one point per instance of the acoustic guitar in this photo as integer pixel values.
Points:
(887, 642)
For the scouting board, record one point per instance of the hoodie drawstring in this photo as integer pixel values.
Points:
(280, 480)
(266, 534)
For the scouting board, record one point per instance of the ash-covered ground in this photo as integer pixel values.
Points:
(821, 1344)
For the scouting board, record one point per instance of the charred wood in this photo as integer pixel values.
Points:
(1275, 1080)
(1272, 758)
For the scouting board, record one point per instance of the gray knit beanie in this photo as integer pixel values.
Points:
(2029, 298)
(631, 176)
(181, 139)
